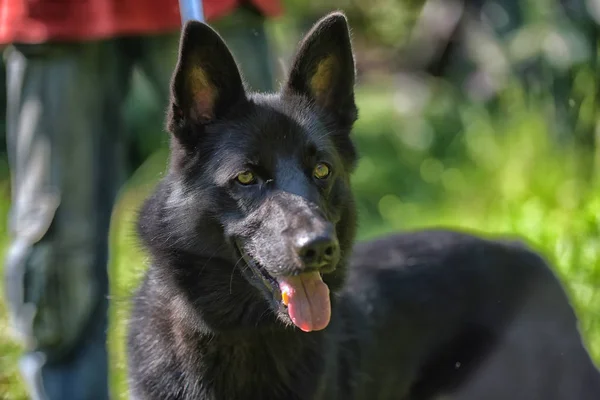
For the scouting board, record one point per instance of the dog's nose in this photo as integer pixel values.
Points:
(318, 251)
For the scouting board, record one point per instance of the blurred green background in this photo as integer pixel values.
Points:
(440, 145)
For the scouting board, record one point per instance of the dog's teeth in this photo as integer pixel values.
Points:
(285, 298)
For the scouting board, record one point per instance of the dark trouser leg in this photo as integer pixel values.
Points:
(244, 32)
(65, 153)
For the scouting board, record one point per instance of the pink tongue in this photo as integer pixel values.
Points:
(307, 298)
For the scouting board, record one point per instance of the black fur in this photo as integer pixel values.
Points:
(415, 316)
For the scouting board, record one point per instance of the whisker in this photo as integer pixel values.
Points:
(231, 276)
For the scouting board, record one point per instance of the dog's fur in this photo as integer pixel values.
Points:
(421, 315)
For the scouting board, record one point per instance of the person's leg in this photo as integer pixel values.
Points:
(63, 134)
(244, 32)
(155, 59)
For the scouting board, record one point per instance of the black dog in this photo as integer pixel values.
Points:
(255, 291)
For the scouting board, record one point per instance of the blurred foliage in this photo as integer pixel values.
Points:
(385, 22)
(496, 133)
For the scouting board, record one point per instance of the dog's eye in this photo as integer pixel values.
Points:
(321, 171)
(246, 178)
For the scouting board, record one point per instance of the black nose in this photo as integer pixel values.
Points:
(318, 251)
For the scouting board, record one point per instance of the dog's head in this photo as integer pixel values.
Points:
(269, 173)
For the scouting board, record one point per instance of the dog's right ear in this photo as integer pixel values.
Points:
(206, 84)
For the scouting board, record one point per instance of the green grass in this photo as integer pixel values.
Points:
(498, 176)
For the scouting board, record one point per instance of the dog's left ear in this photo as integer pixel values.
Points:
(323, 69)
(206, 84)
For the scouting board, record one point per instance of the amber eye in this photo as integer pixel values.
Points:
(321, 171)
(246, 178)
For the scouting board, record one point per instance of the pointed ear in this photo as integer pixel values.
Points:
(206, 84)
(323, 69)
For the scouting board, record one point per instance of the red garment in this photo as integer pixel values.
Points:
(37, 21)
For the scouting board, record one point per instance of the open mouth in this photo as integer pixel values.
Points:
(261, 279)
(304, 297)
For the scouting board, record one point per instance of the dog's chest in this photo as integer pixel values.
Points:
(230, 370)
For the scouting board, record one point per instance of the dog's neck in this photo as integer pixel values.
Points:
(227, 333)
